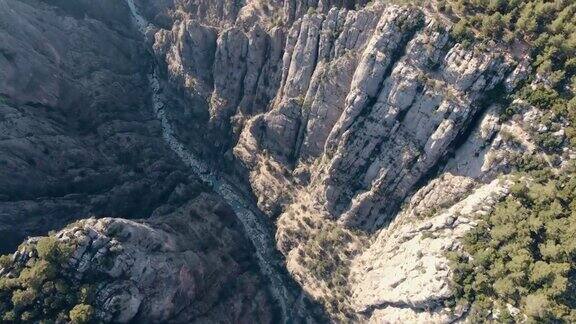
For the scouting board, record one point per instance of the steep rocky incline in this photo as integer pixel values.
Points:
(381, 92)
(74, 139)
(409, 95)
(253, 222)
(339, 112)
(79, 137)
(190, 266)
(405, 275)
(226, 13)
(362, 128)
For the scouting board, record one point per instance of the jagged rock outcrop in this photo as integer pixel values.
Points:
(409, 245)
(405, 275)
(335, 67)
(228, 57)
(340, 115)
(191, 266)
(226, 13)
(189, 63)
(392, 128)
(336, 113)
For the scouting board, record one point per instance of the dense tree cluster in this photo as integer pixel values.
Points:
(523, 254)
(545, 29)
(559, 113)
(35, 287)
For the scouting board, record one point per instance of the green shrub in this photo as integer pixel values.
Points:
(493, 25)
(41, 289)
(461, 31)
(81, 314)
(541, 97)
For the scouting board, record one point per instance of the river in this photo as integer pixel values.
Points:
(253, 225)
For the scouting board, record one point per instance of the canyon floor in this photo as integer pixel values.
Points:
(286, 161)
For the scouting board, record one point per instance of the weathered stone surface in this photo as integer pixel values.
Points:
(76, 135)
(373, 115)
(361, 108)
(405, 275)
(188, 63)
(339, 112)
(192, 265)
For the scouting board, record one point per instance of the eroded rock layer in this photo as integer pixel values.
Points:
(362, 129)
(78, 137)
(373, 98)
(75, 139)
(339, 113)
(191, 266)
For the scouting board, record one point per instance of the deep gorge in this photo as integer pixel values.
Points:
(264, 161)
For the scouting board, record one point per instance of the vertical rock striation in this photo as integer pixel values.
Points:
(337, 112)
(340, 111)
(192, 265)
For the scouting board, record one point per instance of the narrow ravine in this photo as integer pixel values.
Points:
(253, 225)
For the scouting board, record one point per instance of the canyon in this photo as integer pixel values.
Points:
(255, 161)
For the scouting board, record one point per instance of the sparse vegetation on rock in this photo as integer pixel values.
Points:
(374, 134)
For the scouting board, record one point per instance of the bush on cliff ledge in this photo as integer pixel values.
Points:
(34, 285)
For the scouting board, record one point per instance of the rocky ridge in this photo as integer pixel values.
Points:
(405, 274)
(347, 77)
(74, 140)
(391, 130)
(81, 138)
(340, 115)
(251, 220)
(364, 130)
(179, 267)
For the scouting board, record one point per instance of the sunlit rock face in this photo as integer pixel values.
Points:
(401, 99)
(373, 98)
(364, 120)
(339, 111)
